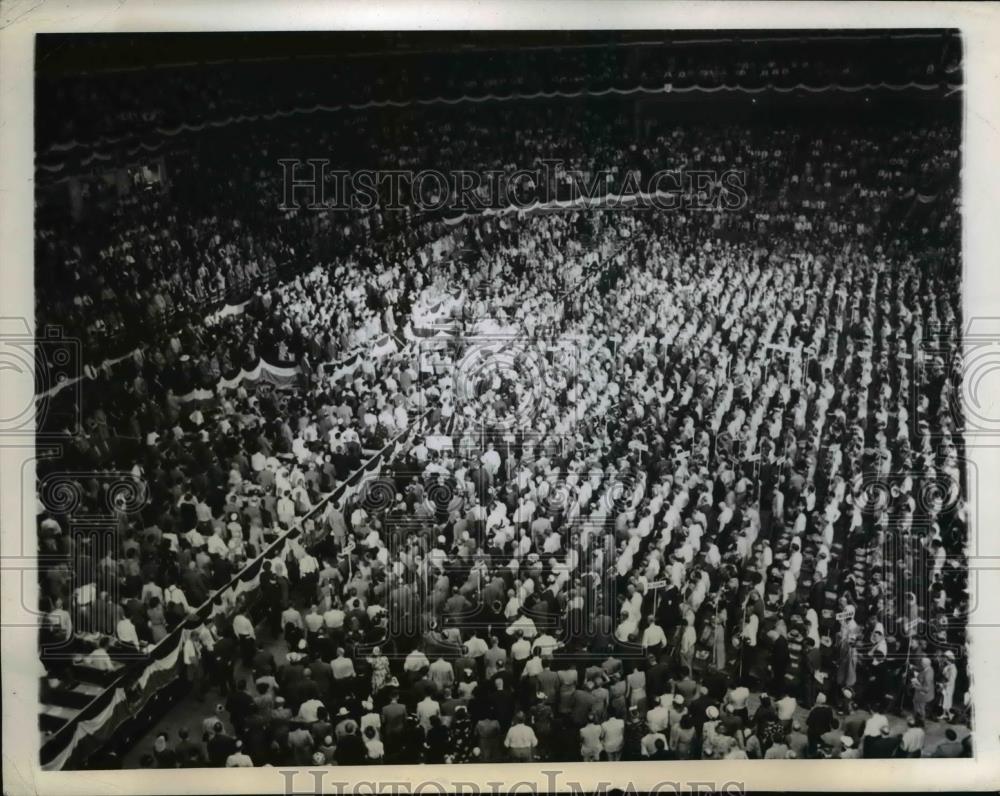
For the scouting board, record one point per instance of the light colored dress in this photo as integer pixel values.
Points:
(719, 647)
(637, 690)
(380, 671)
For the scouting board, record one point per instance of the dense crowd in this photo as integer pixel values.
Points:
(677, 485)
(162, 258)
(215, 466)
(507, 531)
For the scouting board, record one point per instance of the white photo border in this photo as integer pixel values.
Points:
(20, 20)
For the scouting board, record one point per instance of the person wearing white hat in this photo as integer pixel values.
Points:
(709, 731)
(344, 724)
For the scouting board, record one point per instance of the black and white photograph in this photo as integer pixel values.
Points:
(535, 396)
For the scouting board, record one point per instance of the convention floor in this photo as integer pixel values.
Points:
(190, 711)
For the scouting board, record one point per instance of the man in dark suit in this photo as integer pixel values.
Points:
(582, 704)
(189, 754)
(225, 652)
(657, 677)
(779, 657)
(302, 691)
(263, 661)
(350, 749)
(220, 746)
(239, 705)
(812, 669)
(668, 614)
(877, 679)
(195, 585)
(547, 681)
(136, 611)
(882, 746)
(819, 721)
(698, 706)
(322, 675)
(393, 722)
(603, 633)
(291, 672)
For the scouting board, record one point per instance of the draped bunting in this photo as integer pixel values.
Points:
(924, 199)
(274, 374)
(383, 346)
(334, 371)
(603, 201)
(488, 327)
(171, 132)
(94, 727)
(262, 372)
(279, 376)
(443, 330)
(126, 697)
(226, 311)
(433, 313)
(97, 722)
(199, 394)
(90, 372)
(440, 305)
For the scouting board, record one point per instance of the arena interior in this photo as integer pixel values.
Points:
(583, 477)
